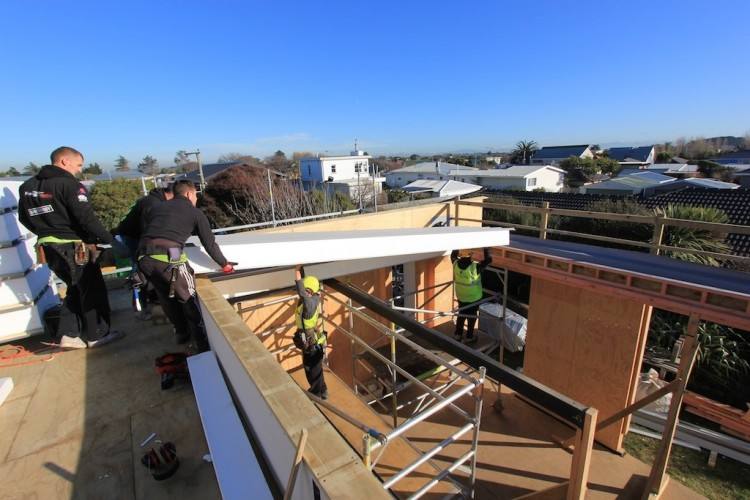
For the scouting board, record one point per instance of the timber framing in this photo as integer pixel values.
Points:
(552, 401)
(711, 304)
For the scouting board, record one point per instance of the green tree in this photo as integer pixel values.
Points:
(523, 152)
(149, 165)
(122, 164)
(181, 157)
(13, 172)
(663, 157)
(112, 200)
(31, 169)
(92, 169)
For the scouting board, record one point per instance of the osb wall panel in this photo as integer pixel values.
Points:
(278, 317)
(378, 284)
(588, 346)
(431, 272)
(275, 324)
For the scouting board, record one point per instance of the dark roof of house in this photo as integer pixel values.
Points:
(560, 151)
(745, 153)
(622, 154)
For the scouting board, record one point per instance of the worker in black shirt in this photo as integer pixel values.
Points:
(165, 265)
(310, 337)
(55, 206)
(129, 232)
(467, 284)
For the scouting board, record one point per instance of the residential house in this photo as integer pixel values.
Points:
(677, 170)
(641, 183)
(553, 155)
(734, 158)
(694, 183)
(517, 177)
(434, 170)
(346, 174)
(743, 177)
(642, 155)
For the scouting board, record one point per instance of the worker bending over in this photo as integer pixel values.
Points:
(162, 260)
(129, 231)
(467, 283)
(310, 337)
(55, 206)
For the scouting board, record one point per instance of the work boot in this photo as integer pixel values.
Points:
(72, 343)
(471, 339)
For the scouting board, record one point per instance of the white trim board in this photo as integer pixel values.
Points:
(237, 469)
(283, 277)
(253, 250)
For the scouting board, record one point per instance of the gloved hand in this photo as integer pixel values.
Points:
(228, 268)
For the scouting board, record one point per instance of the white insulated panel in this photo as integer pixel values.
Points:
(10, 228)
(27, 321)
(24, 289)
(9, 193)
(18, 258)
(254, 250)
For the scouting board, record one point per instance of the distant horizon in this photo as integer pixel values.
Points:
(167, 160)
(151, 78)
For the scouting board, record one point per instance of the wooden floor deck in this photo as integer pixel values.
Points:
(73, 425)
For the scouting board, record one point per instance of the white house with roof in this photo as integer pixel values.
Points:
(346, 174)
(440, 189)
(516, 177)
(553, 155)
(433, 170)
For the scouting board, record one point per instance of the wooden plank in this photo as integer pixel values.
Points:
(295, 466)
(656, 481)
(237, 468)
(579, 473)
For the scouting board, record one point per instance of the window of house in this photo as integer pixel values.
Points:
(333, 169)
(531, 181)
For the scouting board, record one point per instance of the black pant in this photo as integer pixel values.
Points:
(86, 299)
(312, 360)
(182, 309)
(469, 311)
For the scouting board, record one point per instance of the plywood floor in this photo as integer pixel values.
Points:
(72, 427)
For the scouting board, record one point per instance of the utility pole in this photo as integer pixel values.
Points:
(197, 154)
(358, 168)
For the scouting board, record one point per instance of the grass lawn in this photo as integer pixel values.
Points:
(729, 479)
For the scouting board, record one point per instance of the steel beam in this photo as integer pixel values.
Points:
(562, 406)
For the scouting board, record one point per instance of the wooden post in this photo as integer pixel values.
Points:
(657, 480)
(579, 468)
(455, 210)
(544, 221)
(658, 234)
(295, 465)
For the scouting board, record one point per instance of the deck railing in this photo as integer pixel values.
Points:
(658, 222)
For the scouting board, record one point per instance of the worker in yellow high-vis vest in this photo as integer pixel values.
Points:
(467, 284)
(310, 337)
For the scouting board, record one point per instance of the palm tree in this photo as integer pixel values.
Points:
(525, 150)
(695, 239)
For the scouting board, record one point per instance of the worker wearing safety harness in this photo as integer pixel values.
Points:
(162, 260)
(467, 283)
(310, 337)
(55, 206)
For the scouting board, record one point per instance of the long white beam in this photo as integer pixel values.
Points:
(254, 250)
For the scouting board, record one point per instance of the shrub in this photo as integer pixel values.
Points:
(112, 200)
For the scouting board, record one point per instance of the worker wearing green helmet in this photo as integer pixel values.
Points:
(310, 337)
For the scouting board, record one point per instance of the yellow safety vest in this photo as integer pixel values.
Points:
(310, 325)
(467, 282)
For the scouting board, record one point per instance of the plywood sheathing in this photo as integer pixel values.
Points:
(327, 455)
(431, 272)
(587, 346)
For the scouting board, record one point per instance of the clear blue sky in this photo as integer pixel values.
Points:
(137, 78)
